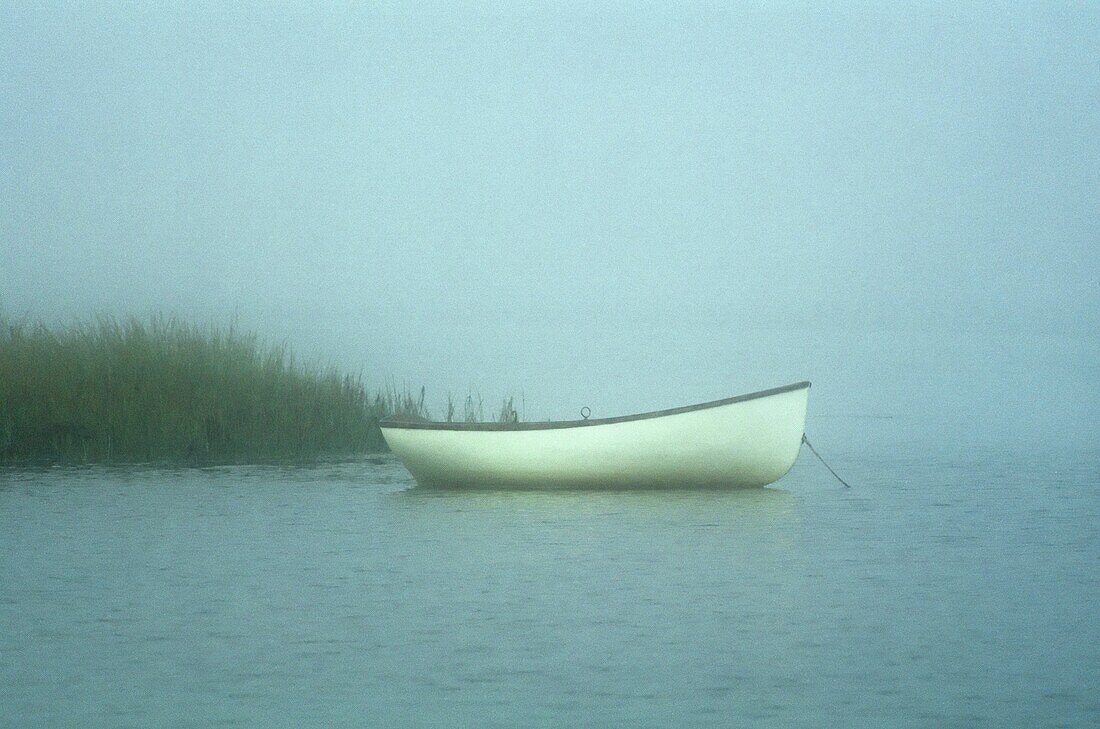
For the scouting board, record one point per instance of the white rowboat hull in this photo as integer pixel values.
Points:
(746, 441)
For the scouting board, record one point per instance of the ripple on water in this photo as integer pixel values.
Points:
(925, 595)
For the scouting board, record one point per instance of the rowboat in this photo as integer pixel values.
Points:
(743, 441)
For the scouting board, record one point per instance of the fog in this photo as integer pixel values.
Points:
(619, 208)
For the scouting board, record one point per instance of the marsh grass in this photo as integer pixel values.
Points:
(473, 409)
(133, 391)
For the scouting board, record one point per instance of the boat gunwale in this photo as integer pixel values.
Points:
(555, 424)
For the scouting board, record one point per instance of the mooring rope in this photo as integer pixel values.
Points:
(823, 463)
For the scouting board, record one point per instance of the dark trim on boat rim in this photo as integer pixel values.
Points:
(433, 425)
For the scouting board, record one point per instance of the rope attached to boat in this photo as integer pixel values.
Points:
(823, 463)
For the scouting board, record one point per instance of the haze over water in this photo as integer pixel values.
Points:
(607, 207)
(620, 208)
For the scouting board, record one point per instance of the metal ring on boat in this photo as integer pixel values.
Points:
(585, 412)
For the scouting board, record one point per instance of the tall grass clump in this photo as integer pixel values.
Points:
(131, 391)
(473, 409)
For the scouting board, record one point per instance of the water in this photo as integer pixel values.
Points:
(954, 591)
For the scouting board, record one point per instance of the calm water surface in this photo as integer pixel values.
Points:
(958, 592)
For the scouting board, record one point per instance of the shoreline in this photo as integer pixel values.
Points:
(110, 391)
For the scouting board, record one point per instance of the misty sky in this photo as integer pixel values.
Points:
(621, 208)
